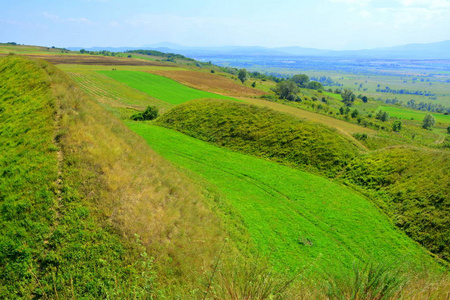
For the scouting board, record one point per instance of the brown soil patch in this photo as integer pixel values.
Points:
(94, 60)
(210, 83)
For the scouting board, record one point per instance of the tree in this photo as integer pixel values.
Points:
(315, 85)
(286, 89)
(428, 121)
(254, 84)
(355, 113)
(364, 99)
(382, 116)
(242, 75)
(301, 80)
(348, 97)
(397, 126)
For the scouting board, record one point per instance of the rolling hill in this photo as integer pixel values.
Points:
(95, 205)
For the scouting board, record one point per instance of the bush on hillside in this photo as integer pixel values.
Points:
(262, 132)
(150, 113)
(413, 187)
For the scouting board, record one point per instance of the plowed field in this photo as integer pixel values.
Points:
(210, 83)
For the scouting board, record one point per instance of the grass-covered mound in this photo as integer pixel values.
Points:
(413, 186)
(295, 218)
(76, 186)
(262, 132)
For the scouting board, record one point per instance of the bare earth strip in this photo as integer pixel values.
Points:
(94, 60)
(210, 83)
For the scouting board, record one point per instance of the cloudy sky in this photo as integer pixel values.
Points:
(323, 24)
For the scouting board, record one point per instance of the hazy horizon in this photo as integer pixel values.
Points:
(322, 24)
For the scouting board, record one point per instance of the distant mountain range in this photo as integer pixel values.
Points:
(438, 50)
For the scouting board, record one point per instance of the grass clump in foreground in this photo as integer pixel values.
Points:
(262, 132)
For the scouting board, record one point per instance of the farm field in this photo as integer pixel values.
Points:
(360, 75)
(210, 83)
(295, 218)
(405, 113)
(160, 87)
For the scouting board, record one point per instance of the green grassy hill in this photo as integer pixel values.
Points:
(262, 132)
(87, 209)
(297, 219)
(413, 186)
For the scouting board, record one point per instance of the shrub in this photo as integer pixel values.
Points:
(150, 113)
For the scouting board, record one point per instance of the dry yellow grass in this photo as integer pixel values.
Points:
(136, 191)
(210, 83)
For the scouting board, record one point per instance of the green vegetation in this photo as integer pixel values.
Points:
(242, 75)
(405, 113)
(295, 218)
(428, 122)
(77, 187)
(168, 56)
(413, 187)
(88, 210)
(262, 132)
(160, 87)
(49, 237)
(150, 113)
(404, 177)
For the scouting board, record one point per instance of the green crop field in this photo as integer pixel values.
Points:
(406, 113)
(295, 218)
(160, 87)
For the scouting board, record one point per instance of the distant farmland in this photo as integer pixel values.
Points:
(160, 87)
(410, 114)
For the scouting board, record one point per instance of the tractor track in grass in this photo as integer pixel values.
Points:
(313, 220)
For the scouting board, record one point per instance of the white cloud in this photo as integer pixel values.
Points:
(352, 2)
(433, 4)
(50, 16)
(80, 21)
(71, 20)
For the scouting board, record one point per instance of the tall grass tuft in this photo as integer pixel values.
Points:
(249, 279)
(371, 281)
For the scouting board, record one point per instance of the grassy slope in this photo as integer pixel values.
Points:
(262, 132)
(405, 113)
(413, 187)
(49, 241)
(75, 236)
(295, 218)
(160, 87)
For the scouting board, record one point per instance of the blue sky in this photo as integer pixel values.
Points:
(323, 24)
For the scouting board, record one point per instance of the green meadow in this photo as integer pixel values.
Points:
(406, 113)
(295, 218)
(160, 87)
